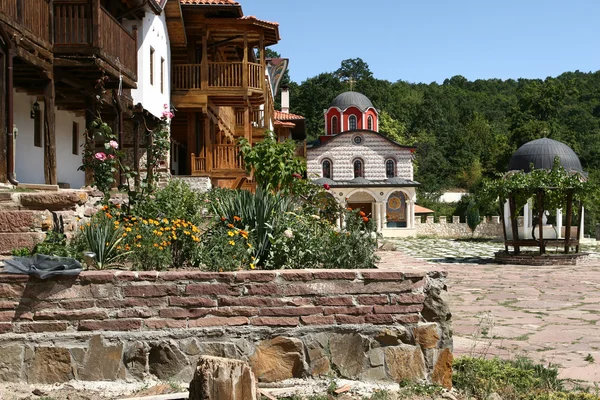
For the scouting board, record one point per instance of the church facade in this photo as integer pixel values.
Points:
(363, 168)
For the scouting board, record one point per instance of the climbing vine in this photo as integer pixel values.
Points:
(159, 144)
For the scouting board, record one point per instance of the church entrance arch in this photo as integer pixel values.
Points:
(362, 200)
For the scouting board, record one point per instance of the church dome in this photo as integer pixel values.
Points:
(348, 99)
(541, 153)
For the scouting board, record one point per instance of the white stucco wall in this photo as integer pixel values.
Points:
(152, 34)
(67, 162)
(374, 151)
(29, 159)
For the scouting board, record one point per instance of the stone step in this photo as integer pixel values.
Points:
(24, 220)
(13, 241)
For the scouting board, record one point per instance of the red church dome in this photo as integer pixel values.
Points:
(351, 111)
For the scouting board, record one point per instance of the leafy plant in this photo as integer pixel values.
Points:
(102, 236)
(23, 252)
(473, 217)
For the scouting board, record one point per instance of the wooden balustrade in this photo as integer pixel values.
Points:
(226, 157)
(186, 76)
(72, 23)
(34, 15)
(198, 164)
(116, 41)
(220, 75)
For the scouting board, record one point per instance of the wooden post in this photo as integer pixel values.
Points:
(569, 221)
(90, 116)
(204, 62)
(95, 23)
(208, 144)
(3, 122)
(503, 223)
(192, 163)
(514, 223)
(540, 201)
(150, 161)
(136, 150)
(245, 66)
(49, 134)
(248, 124)
(580, 219)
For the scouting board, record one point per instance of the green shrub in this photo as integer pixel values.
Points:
(103, 236)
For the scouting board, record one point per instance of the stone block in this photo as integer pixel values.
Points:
(427, 335)
(278, 359)
(165, 360)
(222, 379)
(13, 241)
(376, 358)
(442, 371)
(376, 374)
(134, 359)
(348, 354)
(11, 363)
(102, 361)
(405, 362)
(317, 346)
(53, 201)
(16, 221)
(50, 365)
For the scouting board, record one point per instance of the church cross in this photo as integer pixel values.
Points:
(351, 81)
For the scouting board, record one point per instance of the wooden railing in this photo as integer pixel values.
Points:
(219, 75)
(186, 76)
(34, 15)
(74, 23)
(198, 164)
(116, 41)
(226, 157)
(257, 118)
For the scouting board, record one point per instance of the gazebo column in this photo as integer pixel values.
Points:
(526, 220)
(540, 201)
(580, 226)
(514, 224)
(379, 216)
(581, 223)
(559, 223)
(569, 220)
(506, 215)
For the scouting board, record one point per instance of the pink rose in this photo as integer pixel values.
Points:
(114, 144)
(100, 156)
(111, 156)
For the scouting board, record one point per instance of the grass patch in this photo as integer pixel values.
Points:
(512, 380)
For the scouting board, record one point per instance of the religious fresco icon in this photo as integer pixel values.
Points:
(396, 210)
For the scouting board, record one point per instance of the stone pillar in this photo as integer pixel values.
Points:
(581, 223)
(338, 222)
(507, 216)
(526, 220)
(379, 217)
(559, 223)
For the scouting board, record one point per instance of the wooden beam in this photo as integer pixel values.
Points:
(49, 134)
(245, 70)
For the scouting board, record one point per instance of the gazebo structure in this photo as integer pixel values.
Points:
(535, 230)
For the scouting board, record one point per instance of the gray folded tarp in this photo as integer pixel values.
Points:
(43, 266)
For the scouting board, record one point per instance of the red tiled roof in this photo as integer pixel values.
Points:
(422, 210)
(253, 18)
(286, 116)
(214, 2)
(284, 124)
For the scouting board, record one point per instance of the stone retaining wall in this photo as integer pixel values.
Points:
(490, 227)
(368, 325)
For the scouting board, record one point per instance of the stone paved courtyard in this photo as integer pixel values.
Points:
(550, 314)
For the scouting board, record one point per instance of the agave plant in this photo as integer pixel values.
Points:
(103, 237)
(260, 213)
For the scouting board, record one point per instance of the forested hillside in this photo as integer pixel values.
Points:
(465, 130)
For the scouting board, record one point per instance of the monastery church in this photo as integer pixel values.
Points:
(363, 168)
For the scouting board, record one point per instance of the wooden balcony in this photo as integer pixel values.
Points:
(226, 83)
(33, 15)
(83, 28)
(224, 158)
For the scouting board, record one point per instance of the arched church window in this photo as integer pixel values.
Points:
(352, 122)
(334, 125)
(390, 168)
(327, 169)
(370, 123)
(359, 169)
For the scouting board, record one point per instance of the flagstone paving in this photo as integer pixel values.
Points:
(550, 314)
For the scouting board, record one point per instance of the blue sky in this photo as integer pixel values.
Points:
(430, 40)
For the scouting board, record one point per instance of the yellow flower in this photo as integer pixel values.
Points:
(249, 245)
(174, 237)
(161, 248)
(231, 242)
(124, 234)
(138, 237)
(145, 222)
(166, 221)
(230, 233)
(252, 266)
(138, 245)
(187, 233)
(117, 222)
(155, 244)
(118, 247)
(133, 219)
(128, 229)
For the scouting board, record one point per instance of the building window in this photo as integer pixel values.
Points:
(334, 125)
(352, 122)
(37, 128)
(370, 123)
(75, 139)
(359, 169)
(162, 75)
(327, 169)
(390, 169)
(151, 66)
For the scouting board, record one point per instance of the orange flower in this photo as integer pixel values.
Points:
(236, 218)
(362, 214)
(223, 219)
(365, 219)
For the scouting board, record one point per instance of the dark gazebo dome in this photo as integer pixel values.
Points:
(348, 99)
(541, 153)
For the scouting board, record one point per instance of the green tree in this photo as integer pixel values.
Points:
(391, 128)
(354, 69)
